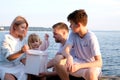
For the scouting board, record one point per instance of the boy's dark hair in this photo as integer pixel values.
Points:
(78, 16)
(61, 25)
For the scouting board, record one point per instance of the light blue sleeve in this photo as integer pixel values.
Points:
(4, 51)
(95, 48)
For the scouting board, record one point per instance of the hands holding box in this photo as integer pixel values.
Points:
(36, 62)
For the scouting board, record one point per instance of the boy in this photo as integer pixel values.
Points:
(87, 62)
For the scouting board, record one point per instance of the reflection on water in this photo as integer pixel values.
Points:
(109, 44)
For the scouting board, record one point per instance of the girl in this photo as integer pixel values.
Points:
(34, 42)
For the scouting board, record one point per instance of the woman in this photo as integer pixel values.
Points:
(12, 51)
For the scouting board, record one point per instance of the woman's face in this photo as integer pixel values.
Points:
(21, 30)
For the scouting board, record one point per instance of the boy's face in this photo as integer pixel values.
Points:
(74, 27)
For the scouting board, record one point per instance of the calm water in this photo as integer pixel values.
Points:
(109, 44)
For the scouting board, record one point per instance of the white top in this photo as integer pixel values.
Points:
(10, 45)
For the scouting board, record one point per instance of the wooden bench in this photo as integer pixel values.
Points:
(54, 78)
(77, 78)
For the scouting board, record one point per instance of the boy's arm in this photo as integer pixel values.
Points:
(96, 63)
(67, 55)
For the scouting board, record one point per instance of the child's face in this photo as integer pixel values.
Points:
(74, 27)
(35, 44)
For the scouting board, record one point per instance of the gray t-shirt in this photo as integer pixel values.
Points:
(85, 48)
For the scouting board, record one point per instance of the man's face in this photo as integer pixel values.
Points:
(57, 34)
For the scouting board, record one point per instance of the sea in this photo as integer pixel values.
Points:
(109, 45)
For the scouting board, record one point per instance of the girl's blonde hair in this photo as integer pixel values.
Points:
(16, 22)
(32, 38)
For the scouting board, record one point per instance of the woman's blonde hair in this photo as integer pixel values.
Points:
(32, 38)
(16, 22)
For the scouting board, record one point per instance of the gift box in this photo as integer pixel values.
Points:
(36, 62)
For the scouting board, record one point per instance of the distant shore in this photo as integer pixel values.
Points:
(6, 28)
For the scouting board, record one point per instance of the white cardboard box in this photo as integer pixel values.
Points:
(36, 62)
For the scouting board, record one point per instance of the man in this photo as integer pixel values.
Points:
(87, 62)
(60, 34)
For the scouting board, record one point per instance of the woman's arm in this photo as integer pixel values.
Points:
(18, 54)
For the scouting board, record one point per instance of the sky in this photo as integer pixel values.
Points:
(102, 14)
